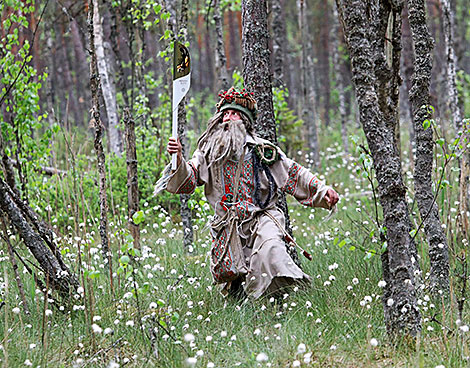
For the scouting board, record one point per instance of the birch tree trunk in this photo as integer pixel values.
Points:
(107, 86)
(98, 129)
(308, 98)
(456, 111)
(451, 64)
(220, 59)
(367, 28)
(419, 96)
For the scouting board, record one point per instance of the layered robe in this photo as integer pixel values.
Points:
(267, 267)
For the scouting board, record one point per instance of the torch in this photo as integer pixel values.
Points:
(181, 84)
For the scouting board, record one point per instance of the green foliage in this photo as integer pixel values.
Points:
(289, 126)
(232, 5)
(238, 82)
(23, 124)
(463, 88)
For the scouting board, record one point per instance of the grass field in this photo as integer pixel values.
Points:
(164, 310)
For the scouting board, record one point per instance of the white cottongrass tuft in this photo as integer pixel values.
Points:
(191, 361)
(307, 358)
(296, 363)
(382, 283)
(188, 337)
(96, 329)
(373, 342)
(261, 357)
(16, 310)
(301, 349)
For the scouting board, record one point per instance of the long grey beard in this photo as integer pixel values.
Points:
(224, 142)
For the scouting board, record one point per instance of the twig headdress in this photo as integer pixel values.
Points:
(241, 101)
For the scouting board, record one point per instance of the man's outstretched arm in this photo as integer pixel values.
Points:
(306, 187)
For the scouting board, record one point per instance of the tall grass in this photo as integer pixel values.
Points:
(165, 311)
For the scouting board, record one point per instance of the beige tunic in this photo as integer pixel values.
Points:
(268, 265)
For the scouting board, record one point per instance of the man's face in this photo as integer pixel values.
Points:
(231, 115)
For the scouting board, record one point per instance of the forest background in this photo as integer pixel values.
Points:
(370, 96)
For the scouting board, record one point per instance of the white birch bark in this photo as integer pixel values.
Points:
(107, 86)
(453, 97)
(451, 67)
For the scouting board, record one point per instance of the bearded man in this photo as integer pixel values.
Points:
(242, 174)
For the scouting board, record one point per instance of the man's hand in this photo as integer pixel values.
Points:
(331, 197)
(174, 146)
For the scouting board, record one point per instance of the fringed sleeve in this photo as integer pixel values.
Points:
(303, 185)
(188, 175)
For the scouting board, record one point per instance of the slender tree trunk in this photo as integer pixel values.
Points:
(107, 86)
(322, 53)
(419, 96)
(376, 88)
(80, 65)
(407, 72)
(308, 98)
(132, 178)
(456, 111)
(234, 35)
(114, 36)
(188, 236)
(209, 79)
(98, 128)
(451, 64)
(67, 76)
(220, 60)
(337, 63)
(279, 42)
